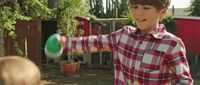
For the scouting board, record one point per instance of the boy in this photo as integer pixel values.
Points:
(15, 70)
(146, 55)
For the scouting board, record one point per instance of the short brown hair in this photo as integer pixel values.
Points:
(16, 70)
(158, 4)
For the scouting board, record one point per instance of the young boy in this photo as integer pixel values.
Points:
(15, 70)
(145, 55)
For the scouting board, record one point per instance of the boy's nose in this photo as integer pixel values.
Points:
(138, 13)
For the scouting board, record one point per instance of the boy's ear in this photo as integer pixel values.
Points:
(163, 12)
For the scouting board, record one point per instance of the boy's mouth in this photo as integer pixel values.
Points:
(141, 20)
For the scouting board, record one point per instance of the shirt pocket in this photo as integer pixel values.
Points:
(151, 60)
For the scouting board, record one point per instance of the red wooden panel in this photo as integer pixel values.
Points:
(31, 30)
(189, 31)
(34, 41)
(83, 24)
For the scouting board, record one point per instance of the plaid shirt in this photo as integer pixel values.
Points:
(155, 58)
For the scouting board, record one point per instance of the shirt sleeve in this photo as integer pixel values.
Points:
(93, 43)
(179, 65)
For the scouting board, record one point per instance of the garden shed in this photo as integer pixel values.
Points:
(83, 24)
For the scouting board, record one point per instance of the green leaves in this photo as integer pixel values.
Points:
(169, 23)
(65, 13)
(35, 9)
(21, 10)
(194, 8)
(7, 20)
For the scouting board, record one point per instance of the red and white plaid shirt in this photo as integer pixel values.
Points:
(155, 58)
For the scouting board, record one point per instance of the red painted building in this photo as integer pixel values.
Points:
(84, 23)
(188, 29)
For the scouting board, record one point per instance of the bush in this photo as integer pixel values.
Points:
(169, 23)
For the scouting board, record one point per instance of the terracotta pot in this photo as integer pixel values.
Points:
(71, 69)
(78, 66)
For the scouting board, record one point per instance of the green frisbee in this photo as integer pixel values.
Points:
(53, 49)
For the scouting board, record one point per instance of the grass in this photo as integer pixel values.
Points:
(99, 82)
(196, 81)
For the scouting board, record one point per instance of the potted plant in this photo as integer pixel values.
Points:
(70, 67)
(65, 12)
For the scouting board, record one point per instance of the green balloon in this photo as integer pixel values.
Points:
(53, 45)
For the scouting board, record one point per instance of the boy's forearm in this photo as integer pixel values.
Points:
(80, 51)
(79, 45)
(92, 43)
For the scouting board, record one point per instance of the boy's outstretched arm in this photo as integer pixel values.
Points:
(179, 65)
(93, 43)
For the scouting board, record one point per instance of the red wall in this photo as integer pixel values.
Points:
(85, 26)
(189, 31)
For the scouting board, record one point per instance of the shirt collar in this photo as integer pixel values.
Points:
(156, 33)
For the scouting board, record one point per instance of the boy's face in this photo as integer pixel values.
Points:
(147, 17)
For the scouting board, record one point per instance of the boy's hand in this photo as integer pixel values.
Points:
(63, 41)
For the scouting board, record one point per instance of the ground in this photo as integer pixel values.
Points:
(51, 75)
(87, 76)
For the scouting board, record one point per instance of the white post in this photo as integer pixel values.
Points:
(26, 47)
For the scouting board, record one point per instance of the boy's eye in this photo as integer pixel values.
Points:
(146, 8)
(134, 7)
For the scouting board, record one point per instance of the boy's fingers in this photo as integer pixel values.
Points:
(63, 41)
(68, 36)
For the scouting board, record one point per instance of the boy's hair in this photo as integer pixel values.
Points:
(158, 4)
(16, 70)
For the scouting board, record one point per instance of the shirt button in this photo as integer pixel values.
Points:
(133, 68)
